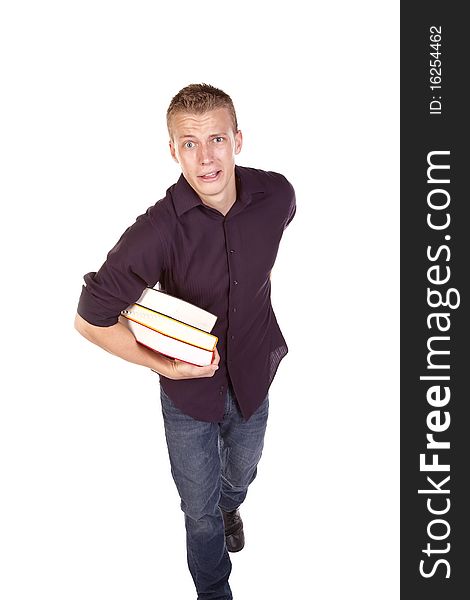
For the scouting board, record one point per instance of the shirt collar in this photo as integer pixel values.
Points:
(248, 183)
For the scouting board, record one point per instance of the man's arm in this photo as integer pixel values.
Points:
(118, 340)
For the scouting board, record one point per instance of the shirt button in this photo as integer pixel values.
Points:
(232, 251)
(232, 337)
(234, 309)
(235, 282)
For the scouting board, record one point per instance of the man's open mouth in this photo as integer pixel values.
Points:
(210, 176)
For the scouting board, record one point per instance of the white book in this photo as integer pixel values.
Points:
(168, 345)
(171, 327)
(177, 309)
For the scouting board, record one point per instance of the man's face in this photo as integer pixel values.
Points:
(205, 147)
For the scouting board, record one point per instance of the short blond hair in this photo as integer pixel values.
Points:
(199, 98)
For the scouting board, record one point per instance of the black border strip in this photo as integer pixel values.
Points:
(435, 269)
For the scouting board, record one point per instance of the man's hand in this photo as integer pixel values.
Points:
(183, 370)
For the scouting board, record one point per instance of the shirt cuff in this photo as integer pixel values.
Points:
(95, 313)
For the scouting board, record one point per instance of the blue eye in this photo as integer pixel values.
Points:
(189, 145)
(219, 139)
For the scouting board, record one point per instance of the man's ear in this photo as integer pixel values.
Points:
(238, 141)
(172, 151)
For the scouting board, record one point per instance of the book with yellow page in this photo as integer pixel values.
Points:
(172, 327)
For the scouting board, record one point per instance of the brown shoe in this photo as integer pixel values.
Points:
(234, 536)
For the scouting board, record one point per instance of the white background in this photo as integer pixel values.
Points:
(88, 506)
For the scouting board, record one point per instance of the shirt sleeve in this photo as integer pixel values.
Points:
(292, 205)
(135, 262)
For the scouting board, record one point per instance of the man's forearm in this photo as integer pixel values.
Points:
(118, 340)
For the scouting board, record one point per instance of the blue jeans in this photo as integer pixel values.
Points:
(212, 465)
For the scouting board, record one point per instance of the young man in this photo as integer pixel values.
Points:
(212, 240)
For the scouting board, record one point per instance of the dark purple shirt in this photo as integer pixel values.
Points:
(221, 264)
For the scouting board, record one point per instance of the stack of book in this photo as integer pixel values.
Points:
(172, 327)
